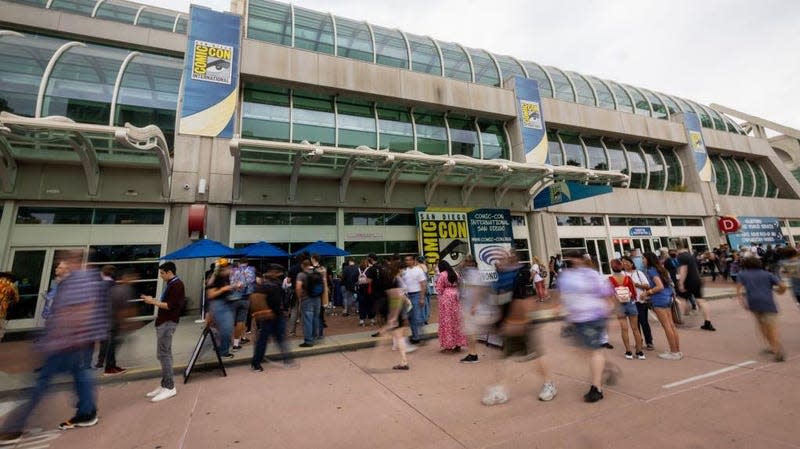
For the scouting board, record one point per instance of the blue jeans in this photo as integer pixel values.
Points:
(275, 328)
(69, 361)
(426, 309)
(222, 311)
(416, 318)
(310, 308)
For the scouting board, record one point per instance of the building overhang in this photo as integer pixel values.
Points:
(390, 168)
(61, 140)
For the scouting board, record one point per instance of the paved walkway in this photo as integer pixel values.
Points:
(17, 360)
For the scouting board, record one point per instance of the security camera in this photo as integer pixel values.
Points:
(186, 187)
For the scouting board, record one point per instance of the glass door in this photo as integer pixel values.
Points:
(598, 250)
(28, 266)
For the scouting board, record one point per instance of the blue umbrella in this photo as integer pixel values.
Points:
(201, 249)
(323, 249)
(262, 249)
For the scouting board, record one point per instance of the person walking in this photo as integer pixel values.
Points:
(243, 281)
(690, 285)
(119, 295)
(660, 296)
(78, 319)
(169, 307)
(221, 307)
(756, 283)
(450, 336)
(586, 296)
(415, 281)
(478, 315)
(269, 319)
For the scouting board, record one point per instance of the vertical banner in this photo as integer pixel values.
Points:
(211, 73)
(694, 135)
(451, 234)
(529, 114)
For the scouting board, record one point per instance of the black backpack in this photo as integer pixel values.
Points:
(313, 284)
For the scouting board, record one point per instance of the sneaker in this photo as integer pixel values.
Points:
(650, 347)
(361, 323)
(640, 355)
(671, 355)
(779, 356)
(227, 356)
(79, 421)
(548, 392)
(628, 355)
(494, 395)
(306, 345)
(410, 348)
(114, 371)
(707, 326)
(236, 348)
(608, 345)
(470, 358)
(257, 368)
(593, 395)
(154, 392)
(245, 340)
(401, 367)
(372, 323)
(9, 438)
(165, 394)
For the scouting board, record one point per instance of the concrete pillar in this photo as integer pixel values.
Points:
(543, 235)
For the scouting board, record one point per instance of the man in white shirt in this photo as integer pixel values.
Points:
(415, 281)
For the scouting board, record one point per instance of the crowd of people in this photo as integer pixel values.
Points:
(86, 307)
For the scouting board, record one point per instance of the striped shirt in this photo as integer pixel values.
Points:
(79, 313)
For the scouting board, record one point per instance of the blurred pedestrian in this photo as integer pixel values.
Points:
(757, 284)
(450, 336)
(587, 299)
(77, 321)
(8, 297)
(243, 282)
(348, 287)
(790, 265)
(627, 313)
(690, 284)
(170, 307)
(221, 306)
(266, 301)
(119, 296)
(477, 312)
(415, 281)
(399, 308)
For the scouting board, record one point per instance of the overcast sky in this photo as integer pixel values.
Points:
(739, 53)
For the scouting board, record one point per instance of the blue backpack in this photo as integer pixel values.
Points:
(314, 285)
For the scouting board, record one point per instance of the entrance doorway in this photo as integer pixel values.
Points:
(34, 268)
(623, 244)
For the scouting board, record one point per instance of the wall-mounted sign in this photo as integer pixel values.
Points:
(529, 114)
(640, 231)
(754, 230)
(728, 224)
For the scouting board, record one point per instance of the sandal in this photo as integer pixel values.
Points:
(401, 367)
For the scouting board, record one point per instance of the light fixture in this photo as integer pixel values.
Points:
(131, 192)
(54, 191)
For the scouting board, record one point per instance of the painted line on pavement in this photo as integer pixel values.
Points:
(709, 374)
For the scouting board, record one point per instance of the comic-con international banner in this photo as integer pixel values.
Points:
(529, 113)
(451, 234)
(694, 134)
(211, 73)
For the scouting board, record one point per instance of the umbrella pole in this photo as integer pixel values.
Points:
(203, 297)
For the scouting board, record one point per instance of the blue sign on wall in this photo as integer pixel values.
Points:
(764, 230)
(565, 191)
(211, 73)
(529, 114)
(641, 231)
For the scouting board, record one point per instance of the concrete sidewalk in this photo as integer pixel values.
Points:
(138, 351)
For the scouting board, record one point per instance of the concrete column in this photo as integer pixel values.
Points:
(543, 235)
(6, 221)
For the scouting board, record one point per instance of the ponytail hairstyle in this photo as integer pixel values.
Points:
(652, 261)
(451, 273)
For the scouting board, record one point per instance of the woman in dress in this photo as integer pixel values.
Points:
(538, 273)
(451, 337)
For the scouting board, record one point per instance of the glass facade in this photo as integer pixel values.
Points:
(269, 21)
(655, 166)
(748, 177)
(605, 99)
(356, 123)
(354, 40)
(396, 131)
(573, 150)
(484, 68)
(673, 168)
(596, 153)
(582, 89)
(493, 139)
(424, 55)
(280, 218)
(624, 100)
(638, 168)
(555, 154)
(740, 177)
(313, 119)
(265, 113)
(642, 107)
(464, 136)
(616, 158)
(562, 85)
(313, 30)
(390, 47)
(431, 132)
(509, 66)
(39, 215)
(536, 72)
(456, 62)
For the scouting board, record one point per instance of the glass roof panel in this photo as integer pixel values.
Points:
(41, 3)
(313, 30)
(485, 69)
(562, 85)
(537, 73)
(456, 64)
(659, 110)
(23, 60)
(182, 25)
(390, 47)
(82, 82)
(117, 12)
(156, 20)
(604, 96)
(715, 116)
(582, 88)
(509, 67)
(424, 56)
(83, 7)
(705, 119)
(639, 101)
(353, 40)
(269, 21)
(672, 106)
(623, 98)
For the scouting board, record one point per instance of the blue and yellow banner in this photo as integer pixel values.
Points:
(211, 73)
(694, 134)
(529, 114)
(565, 191)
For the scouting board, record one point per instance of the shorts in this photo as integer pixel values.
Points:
(661, 302)
(526, 345)
(241, 309)
(627, 309)
(766, 318)
(590, 334)
(694, 290)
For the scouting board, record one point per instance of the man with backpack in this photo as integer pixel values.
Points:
(309, 288)
(350, 277)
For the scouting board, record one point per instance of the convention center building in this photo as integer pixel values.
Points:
(129, 130)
